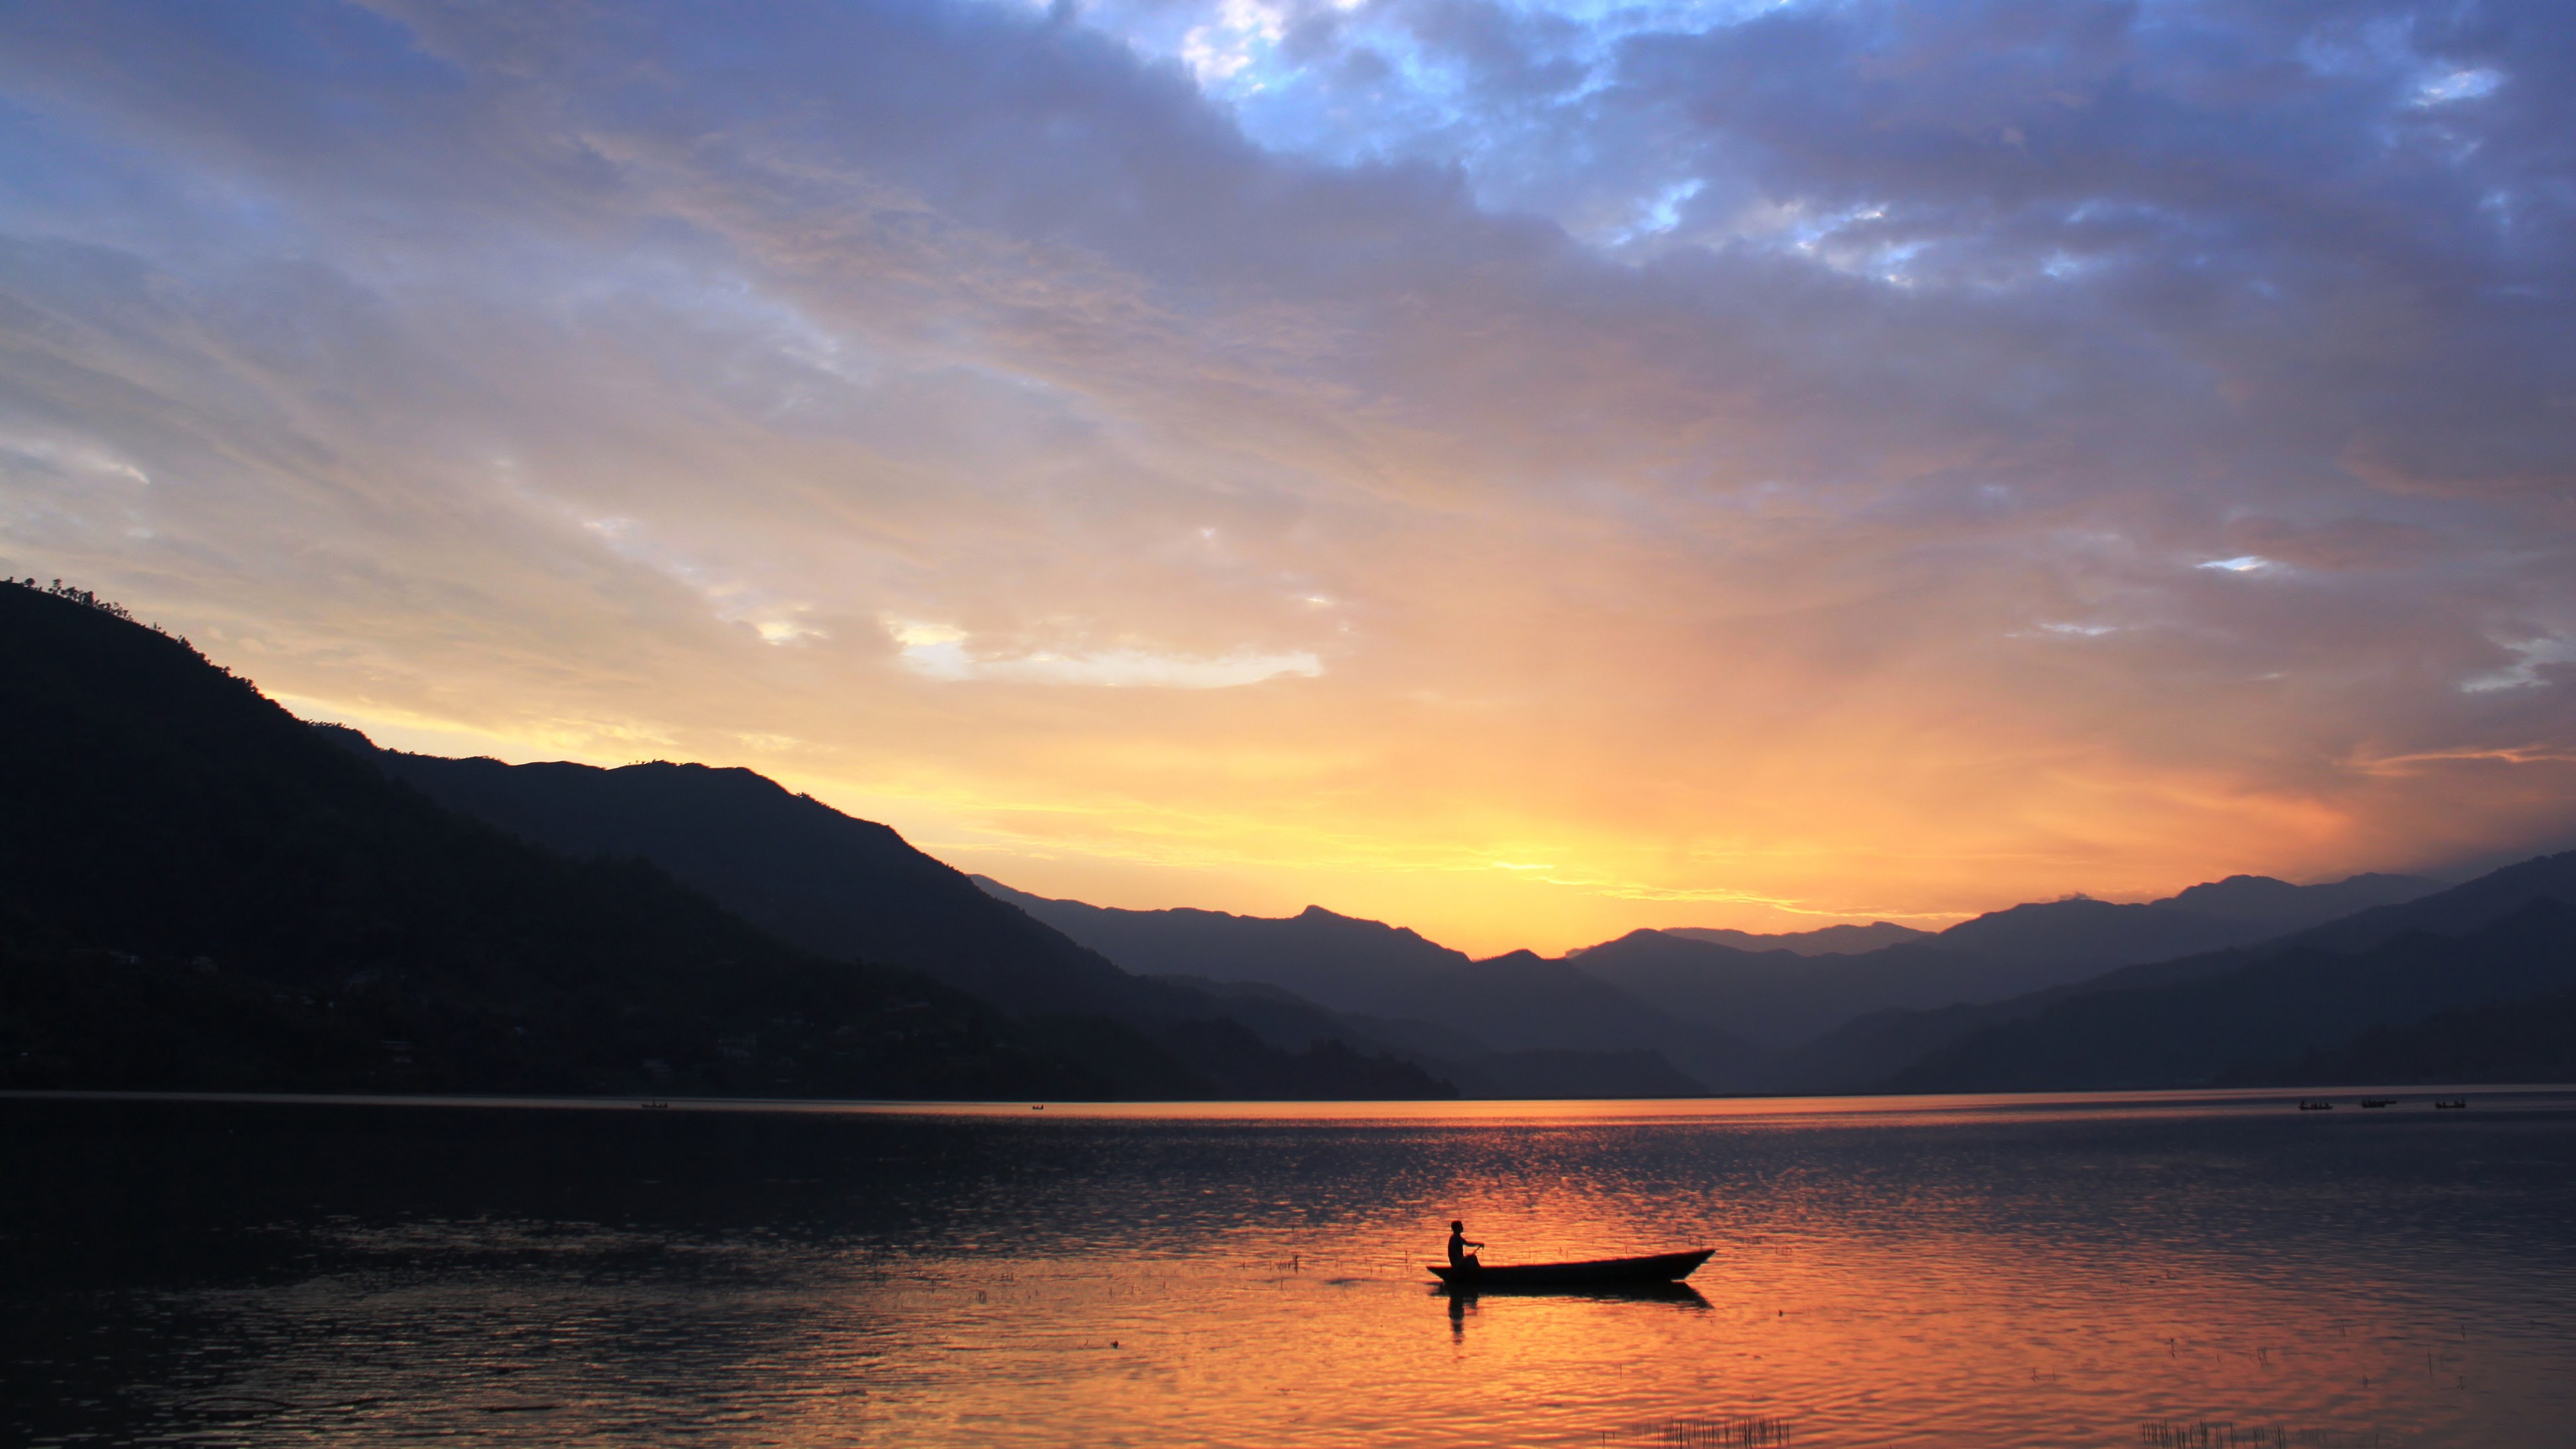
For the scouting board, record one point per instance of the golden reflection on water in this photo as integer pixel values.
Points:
(2163, 1271)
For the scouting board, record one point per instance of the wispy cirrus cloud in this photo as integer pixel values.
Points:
(937, 651)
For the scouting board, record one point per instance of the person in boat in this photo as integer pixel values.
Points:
(1459, 1257)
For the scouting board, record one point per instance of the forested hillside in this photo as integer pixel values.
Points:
(197, 890)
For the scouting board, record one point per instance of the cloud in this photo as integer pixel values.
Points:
(1738, 453)
(2336, 544)
(939, 652)
(2531, 667)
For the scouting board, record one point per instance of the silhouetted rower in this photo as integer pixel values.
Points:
(1459, 1257)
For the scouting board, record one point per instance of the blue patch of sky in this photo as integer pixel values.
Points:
(64, 186)
(1380, 82)
(2445, 87)
(1506, 94)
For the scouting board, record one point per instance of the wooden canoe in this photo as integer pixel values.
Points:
(1661, 1268)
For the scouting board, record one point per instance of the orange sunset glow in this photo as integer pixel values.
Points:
(1037, 724)
(1142, 472)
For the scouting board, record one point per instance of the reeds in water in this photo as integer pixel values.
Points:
(1731, 1433)
(2203, 1434)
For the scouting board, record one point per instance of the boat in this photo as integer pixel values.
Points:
(2454, 1105)
(2379, 1101)
(1660, 1268)
(2314, 1105)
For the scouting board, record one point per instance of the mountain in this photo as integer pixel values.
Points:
(1477, 1069)
(840, 886)
(789, 864)
(1511, 1004)
(2456, 911)
(1824, 940)
(1776, 999)
(2287, 1003)
(1522, 1001)
(197, 890)
(1343, 962)
(1864, 1051)
(1777, 1019)
(1869, 1049)
(2070, 939)
(2531, 1040)
(1783, 1001)
(2261, 900)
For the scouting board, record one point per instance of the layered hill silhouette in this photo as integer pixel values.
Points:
(1822, 941)
(196, 890)
(789, 864)
(2184, 1021)
(2504, 1041)
(199, 890)
(2243, 979)
(1410, 990)
(841, 886)
(1779, 999)
(844, 887)
(1341, 961)
(1734, 1019)
(1873, 1049)
(2286, 1007)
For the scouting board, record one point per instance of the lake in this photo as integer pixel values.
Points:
(2157, 1269)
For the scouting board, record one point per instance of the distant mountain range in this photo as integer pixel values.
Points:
(1778, 1000)
(1406, 989)
(2185, 1021)
(1732, 1019)
(2530, 1040)
(198, 890)
(2253, 1020)
(1822, 941)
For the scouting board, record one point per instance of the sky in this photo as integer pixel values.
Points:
(1524, 472)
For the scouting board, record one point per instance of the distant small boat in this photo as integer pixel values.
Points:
(2379, 1101)
(2454, 1105)
(654, 1106)
(2311, 1104)
(1661, 1268)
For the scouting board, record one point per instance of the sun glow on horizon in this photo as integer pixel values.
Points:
(1707, 464)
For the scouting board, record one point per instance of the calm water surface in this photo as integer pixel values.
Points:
(2159, 1270)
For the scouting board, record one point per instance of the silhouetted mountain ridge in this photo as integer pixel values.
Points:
(2260, 898)
(1776, 998)
(1721, 1012)
(790, 864)
(836, 884)
(2287, 1003)
(1868, 1050)
(1806, 1010)
(197, 890)
(1343, 962)
(2525, 1041)
(1822, 941)
(1516, 1003)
